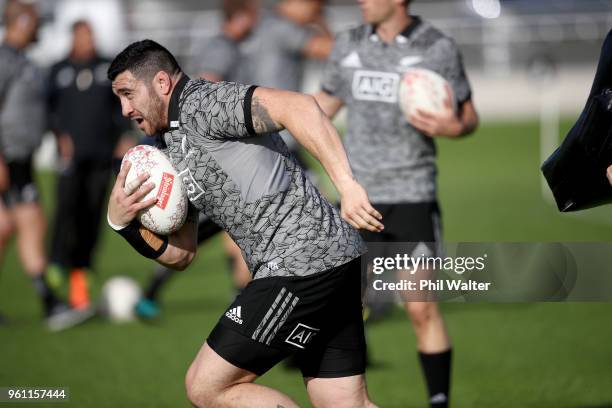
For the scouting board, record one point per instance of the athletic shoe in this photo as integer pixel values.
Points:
(147, 309)
(63, 317)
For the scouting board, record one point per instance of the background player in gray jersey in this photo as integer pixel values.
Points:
(22, 121)
(394, 156)
(268, 48)
(305, 298)
(273, 51)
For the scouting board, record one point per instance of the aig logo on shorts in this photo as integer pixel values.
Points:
(376, 86)
(301, 335)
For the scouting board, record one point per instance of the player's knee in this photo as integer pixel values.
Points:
(342, 395)
(420, 312)
(199, 394)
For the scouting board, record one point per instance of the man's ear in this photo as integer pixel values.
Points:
(162, 83)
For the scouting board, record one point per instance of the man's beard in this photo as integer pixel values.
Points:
(155, 114)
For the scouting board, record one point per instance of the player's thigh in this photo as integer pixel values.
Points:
(29, 219)
(349, 392)
(209, 374)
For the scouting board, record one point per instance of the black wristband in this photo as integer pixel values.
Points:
(147, 243)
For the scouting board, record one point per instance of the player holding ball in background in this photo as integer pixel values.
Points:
(393, 156)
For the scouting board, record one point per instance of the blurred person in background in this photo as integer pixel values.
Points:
(220, 56)
(22, 121)
(86, 120)
(394, 156)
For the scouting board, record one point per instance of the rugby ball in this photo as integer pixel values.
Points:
(170, 212)
(118, 299)
(425, 90)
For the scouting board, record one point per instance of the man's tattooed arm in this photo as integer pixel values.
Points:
(262, 122)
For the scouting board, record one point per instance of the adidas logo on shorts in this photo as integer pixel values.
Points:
(235, 314)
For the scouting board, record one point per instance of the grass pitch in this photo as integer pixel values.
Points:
(506, 355)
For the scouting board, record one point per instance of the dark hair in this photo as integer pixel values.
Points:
(144, 59)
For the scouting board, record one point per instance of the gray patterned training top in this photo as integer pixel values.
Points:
(250, 184)
(390, 158)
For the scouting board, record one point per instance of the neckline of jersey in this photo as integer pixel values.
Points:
(403, 36)
(173, 106)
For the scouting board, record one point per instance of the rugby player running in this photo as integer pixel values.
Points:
(305, 298)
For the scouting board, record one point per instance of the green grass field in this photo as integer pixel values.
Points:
(506, 355)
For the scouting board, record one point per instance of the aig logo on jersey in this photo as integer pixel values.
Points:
(376, 86)
(301, 335)
(194, 191)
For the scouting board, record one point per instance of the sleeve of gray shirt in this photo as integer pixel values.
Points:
(221, 110)
(333, 80)
(446, 55)
(217, 56)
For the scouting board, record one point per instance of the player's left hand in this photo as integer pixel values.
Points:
(356, 208)
(609, 174)
(445, 123)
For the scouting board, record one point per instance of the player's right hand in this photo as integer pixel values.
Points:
(124, 203)
(356, 209)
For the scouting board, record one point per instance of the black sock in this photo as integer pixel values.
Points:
(162, 275)
(48, 298)
(437, 369)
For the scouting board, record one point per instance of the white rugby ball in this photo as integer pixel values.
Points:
(118, 298)
(425, 90)
(170, 212)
